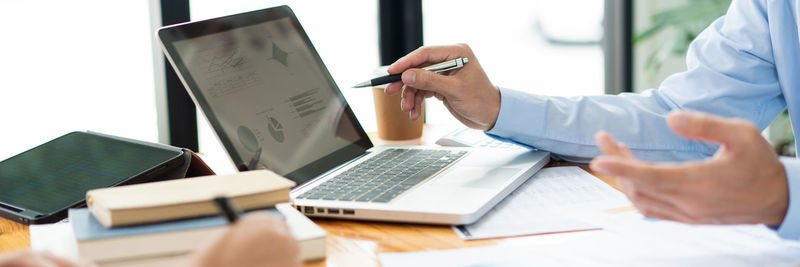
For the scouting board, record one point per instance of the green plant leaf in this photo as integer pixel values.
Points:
(683, 23)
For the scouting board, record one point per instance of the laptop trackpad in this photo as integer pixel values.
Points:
(476, 177)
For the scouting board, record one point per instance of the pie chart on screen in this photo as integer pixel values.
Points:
(275, 130)
(248, 139)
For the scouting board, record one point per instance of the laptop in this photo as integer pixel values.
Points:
(273, 104)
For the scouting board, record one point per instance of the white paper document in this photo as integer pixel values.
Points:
(629, 241)
(548, 202)
(56, 238)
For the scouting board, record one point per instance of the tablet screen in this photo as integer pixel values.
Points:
(57, 174)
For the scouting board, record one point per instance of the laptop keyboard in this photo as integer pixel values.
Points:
(498, 144)
(384, 176)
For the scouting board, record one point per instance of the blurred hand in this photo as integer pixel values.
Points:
(29, 258)
(466, 92)
(744, 182)
(258, 239)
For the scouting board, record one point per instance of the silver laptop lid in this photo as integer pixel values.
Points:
(264, 89)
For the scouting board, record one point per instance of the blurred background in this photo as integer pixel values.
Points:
(92, 64)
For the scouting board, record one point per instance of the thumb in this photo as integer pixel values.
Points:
(430, 81)
(704, 127)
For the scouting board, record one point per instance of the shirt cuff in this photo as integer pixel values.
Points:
(790, 227)
(515, 107)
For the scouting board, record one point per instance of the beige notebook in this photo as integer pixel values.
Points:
(173, 248)
(186, 198)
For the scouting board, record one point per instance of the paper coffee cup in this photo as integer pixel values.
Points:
(394, 124)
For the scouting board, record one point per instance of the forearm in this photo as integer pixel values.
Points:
(566, 126)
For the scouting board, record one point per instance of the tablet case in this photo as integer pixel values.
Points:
(192, 166)
(196, 166)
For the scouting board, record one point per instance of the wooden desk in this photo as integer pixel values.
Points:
(349, 243)
(352, 243)
(13, 236)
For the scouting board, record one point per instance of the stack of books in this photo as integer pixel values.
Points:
(162, 223)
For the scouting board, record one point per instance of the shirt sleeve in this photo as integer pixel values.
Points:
(566, 126)
(790, 227)
(730, 74)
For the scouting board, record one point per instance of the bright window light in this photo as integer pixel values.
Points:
(75, 66)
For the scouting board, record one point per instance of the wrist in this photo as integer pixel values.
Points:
(494, 108)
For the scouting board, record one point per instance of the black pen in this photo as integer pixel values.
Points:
(438, 68)
(227, 208)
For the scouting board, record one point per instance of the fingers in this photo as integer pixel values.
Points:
(656, 176)
(611, 147)
(700, 126)
(428, 54)
(431, 81)
(427, 80)
(624, 150)
(412, 101)
(407, 98)
(650, 206)
(653, 207)
(393, 88)
(417, 111)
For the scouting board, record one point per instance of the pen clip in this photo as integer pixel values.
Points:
(449, 65)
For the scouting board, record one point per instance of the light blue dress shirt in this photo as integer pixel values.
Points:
(745, 65)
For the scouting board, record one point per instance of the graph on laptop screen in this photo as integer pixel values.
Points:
(271, 98)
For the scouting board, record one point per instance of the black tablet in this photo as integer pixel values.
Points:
(39, 185)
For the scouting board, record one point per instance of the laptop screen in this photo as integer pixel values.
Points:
(266, 92)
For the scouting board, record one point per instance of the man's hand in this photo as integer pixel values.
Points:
(744, 182)
(466, 92)
(258, 239)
